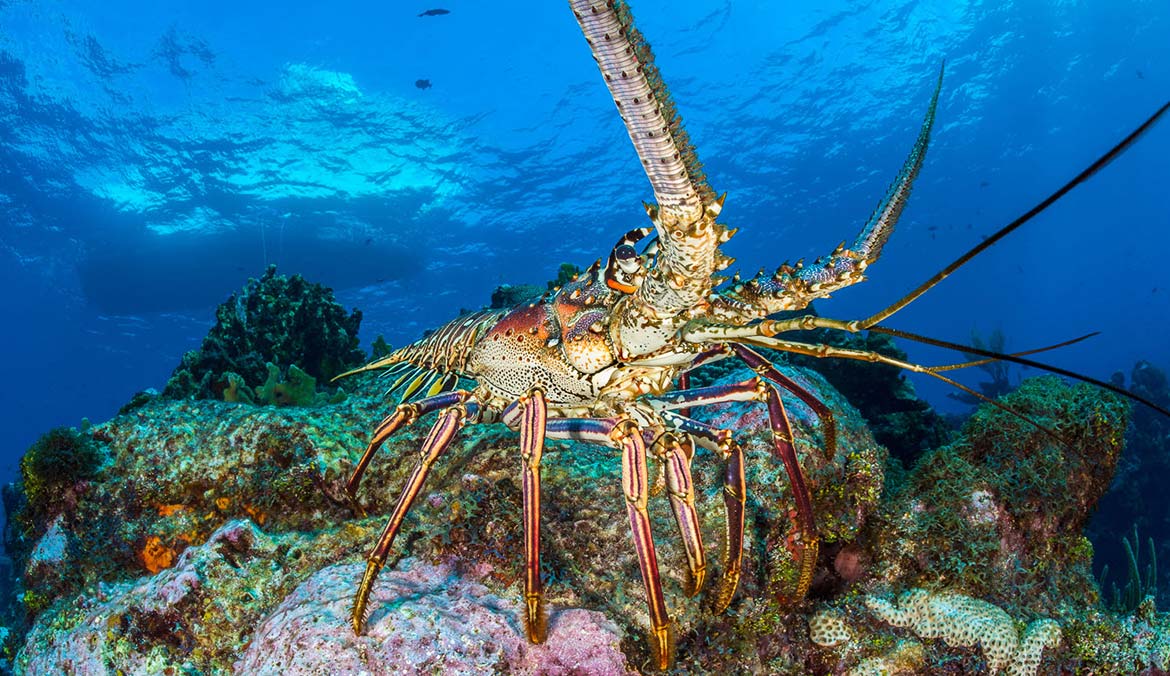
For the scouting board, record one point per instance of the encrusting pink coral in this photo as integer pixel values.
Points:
(428, 619)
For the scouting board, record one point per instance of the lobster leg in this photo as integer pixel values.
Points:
(766, 369)
(532, 423)
(681, 490)
(626, 435)
(734, 500)
(437, 441)
(808, 544)
(757, 389)
(403, 415)
(635, 486)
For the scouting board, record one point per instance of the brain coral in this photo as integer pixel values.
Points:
(964, 621)
(828, 628)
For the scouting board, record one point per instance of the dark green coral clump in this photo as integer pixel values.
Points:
(281, 320)
(55, 475)
(55, 462)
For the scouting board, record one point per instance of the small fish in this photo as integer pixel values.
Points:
(932, 228)
(1140, 75)
(984, 184)
(422, 84)
(435, 12)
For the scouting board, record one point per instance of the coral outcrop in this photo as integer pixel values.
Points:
(285, 321)
(205, 536)
(1001, 511)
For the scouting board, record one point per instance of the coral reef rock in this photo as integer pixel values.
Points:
(209, 536)
(430, 619)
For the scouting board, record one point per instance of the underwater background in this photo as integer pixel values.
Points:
(155, 156)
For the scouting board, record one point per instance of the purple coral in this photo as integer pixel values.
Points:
(425, 618)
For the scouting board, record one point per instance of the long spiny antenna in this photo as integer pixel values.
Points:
(1023, 362)
(1010, 227)
(989, 360)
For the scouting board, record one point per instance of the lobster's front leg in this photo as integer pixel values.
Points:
(436, 442)
(626, 435)
(680, 487)
(734, 499)
(532, 432)
(762, 390)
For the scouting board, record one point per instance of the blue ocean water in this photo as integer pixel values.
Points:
(153, 156)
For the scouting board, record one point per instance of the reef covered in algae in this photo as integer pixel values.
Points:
(211, 535)
(271, 343)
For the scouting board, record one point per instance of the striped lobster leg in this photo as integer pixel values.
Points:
(532, 424)
(677, 455)
(759, 389)
(765, 368)
(437, 441)
(626, 435)
(635, 487)
(734, 500)
(402, 416)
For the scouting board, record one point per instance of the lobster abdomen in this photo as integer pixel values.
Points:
(435, 363)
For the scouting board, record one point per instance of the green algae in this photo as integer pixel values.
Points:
(58, 459)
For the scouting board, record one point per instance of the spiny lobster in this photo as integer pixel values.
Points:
(605, 358)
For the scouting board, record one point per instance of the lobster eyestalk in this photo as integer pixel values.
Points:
(687, 207)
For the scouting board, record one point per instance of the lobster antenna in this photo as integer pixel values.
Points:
(981, 362)
(822, 351)
(1023, 362)
(1007, 229)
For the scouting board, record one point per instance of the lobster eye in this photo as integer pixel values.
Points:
(625, 252)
